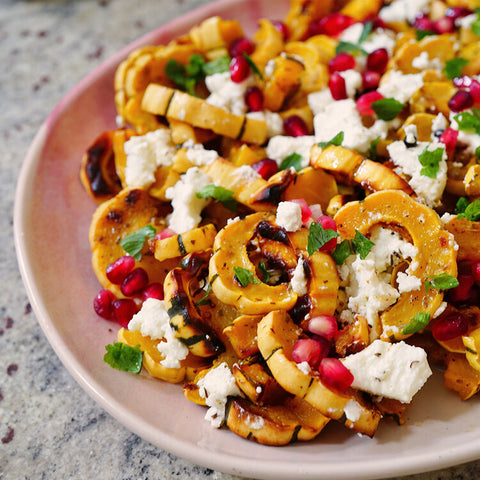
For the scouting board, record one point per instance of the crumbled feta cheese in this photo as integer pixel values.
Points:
(318, 101)
(280, 147)
(446, 217)
(439, 124)
(440, 309)
(403, 10)
(245, 174)
(198, 155)
(379, 38)
(400, 86)
(470, 138)
(408, 283)
(353, 81)
(467, 21)
(289, 216)
(392, 370)
(353, 410)
(187, 207)
(145, 153)
(424, 62)
(410, 134)
(273, 121)
(299, 281)
(215, 387)
(304, 367)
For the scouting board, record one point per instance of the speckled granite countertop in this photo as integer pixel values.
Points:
(50, 428)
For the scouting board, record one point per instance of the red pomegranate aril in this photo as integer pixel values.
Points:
(306, 211)
(337, 86)
(240, 46)
(266, 167)
(323, 325)
(328, 223)
(123, 310)
(444, 25)
(154, 290)
(254, 99)
(332, 24)
(460, 101)
(447, 327)
(423, 22)
(449, 139)
(341, 62)
(282, 28)
(316, 210)
(376, 22)
(335, 374)
(377, 60)
(476, 271)
(119, 269)
(102, 304)
(239, 69)
(470, 84)
(462, 292)
(370, 80)
(165, 233)
(364, 102)
(295, 126)
(134, 282)
(308, 350)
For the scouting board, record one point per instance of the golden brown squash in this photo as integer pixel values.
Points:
(467, 236)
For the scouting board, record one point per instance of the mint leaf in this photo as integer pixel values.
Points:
(387, 108)
(453, 67)
(372, 153)
(349, 47)
(342, 251)
(361, 244)
(430, 160)
(417, 323)
(203, 300)
(219, 65)
(254, 68)
(421, 34)
(124, 357)
(245, 276)
(318, 237)
(367, 28)
(187, 76)
(442, 281)
(133, 243)
(293, 160)
(265, 273)
(469, 121)
(477, 152)
(462, 204)
(220, 194)
(337, 140)
(476, 23)
(471, 212)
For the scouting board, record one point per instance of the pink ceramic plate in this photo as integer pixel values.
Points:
(52, 216)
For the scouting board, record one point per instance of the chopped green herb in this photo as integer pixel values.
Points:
(421, 34)
(219, 65)
(349, 47)
(245, 276)
(387, 108)
(133, 243)
(372, 153)
(469, 121)
(417, 323)
(461, 205)
(471, 212)
(203, 300)
(477, 152)
(476, 23)
(361, 244)
(318, 237)
(124, 357)
(220, 194)
(430, 161)
(453, 67)
(187, 76)
(293, 160)
(442, 281)
(254, 68)
(367, 29)
(342, 251)
(337, 140)
(265, 273)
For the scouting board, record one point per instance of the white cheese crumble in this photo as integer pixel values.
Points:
(281, 146)
(403, 10)
(353, 81)
(273, 121)
(318, 101)
(439, 123)
(470, 138)
(289, 216)
(153, 321)
(400, 86)
(187, 207)
(379, 38)
(304, 367)
(198, 154)
(245, 174)
(424, 62)
(215, 387)
(145, 153)
(392, 370)
(299, 281)
(352, 410)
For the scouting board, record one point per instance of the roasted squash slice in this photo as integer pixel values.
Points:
(277, 335)
(422, 226)
(461, 377)
(242, 334)
(467, 236)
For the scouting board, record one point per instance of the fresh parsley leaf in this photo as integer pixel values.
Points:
(133, 243)
(187, 76)
(337, 140)
(265, 273)
(442, 281)
(219, 65)
(318, 237)
(361, 244)
(471, 212)
(372, 153)
(293, 160)
(367, 28)
(342, 251)
(461, 205)
(349, 47)
(453, 67)
(469, 121)
(220, 194)
(417, 323)
(254, 68)
(421, 34)
(387, 108)
(124, 357)
(245, 276)
(430, 161)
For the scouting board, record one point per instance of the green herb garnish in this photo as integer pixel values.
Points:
(342, 251)
(337, 140)
(220, 194)
(417, 323)
(387, 108)
(421, 34)
(219, 65)
(367, 28)
(469, 121)
(265, 273)
(361, 244)
(461, 206)
(453, 67)
(133, 243)
(442, 281)
(254, 68)
(372, 153)
(245, 276)
(430, 161)
(318, 237)
(187, 76)
(476, 23)
(348, 47)
(124, 357)
(471, 211)
(203, 300)
(293, 160)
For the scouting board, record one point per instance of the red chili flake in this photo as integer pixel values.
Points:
(11, 369)
(9, 436)
(28, 309)
(8, 322)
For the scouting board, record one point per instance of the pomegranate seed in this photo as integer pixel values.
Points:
(165, 233)
(306, 212)
(123, 310)
(254, 99)
(154, 290)
(134, 282)
(476, 271)
(462, 292)
(119, 269)
(295, 126)
(323, 325)
(377, 22)
(328, 223)
(341, 62)
(423, 22)
(332, 24)
(460, 101)
(377, 60)
(335, 374)
(282, 28)
(457, 12)
(470, 84)
(239, 69)
(102, 304)
(266, 167)
(337, 86)
(449, 139)
(449, 326)
(310, 351)
(370, 80)
(316, 210)
(241, 45)
(444, 25)
(364, 102)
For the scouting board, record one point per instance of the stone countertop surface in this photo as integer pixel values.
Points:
(49, 427)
